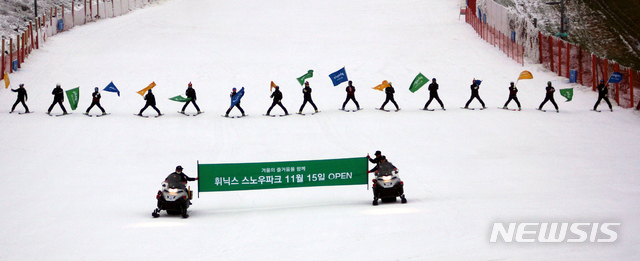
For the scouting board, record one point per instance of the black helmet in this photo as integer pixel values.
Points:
(434, 79)
(378, 153)
(179, 167)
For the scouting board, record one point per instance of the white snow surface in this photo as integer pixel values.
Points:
(80, 188)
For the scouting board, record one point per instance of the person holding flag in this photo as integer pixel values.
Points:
(433, 94)
(22, 97)
(351, 95)
(389, 91)
(95, 101)
(475, 86)
(603, 94)
(233, 95)
(306, 91)
(151, 101)
(191, 96)
(513, 91)
(277, 100)
(58, 97)
(549, 97)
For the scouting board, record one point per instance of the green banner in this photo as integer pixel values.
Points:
(274, 175)
(73, 96)
(302, 78)
(418, 82)
(179, 98)
(567, 93)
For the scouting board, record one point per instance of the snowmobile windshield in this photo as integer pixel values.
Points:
(385, 169)
(175, 181)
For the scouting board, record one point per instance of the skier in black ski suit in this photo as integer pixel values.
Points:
(58, 97)
(474, 94)
(389, 91)
(22, 97)
(549, 97)
(603, 94)
(375, 160)
(351, 95)
(96, 101)
(433, 94)
(233, 93)
(307, 98)
(277, 100)
(151, 101)
(191, 93)
(513, 91)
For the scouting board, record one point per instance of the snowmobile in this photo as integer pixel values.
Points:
(387, 185)
(174, 197)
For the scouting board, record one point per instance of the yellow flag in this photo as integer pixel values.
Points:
(143, 91)
(382, 86)
(6, 80)
(273, 85)
(524, 75)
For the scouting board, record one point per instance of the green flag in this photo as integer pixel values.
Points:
(567, 93)
(73, 96)
(418, 82)
(302, 78)
(179, 98)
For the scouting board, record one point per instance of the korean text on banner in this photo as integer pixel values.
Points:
(274, 175)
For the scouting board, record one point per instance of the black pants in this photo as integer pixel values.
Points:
(54, 103)
(237, 106)
(474, 96)
(512, 98)
(546, 100)
(305, 103)
(431, 97)
(595, 107)
(353, 98)
(389, 99)
(95, 103)
(23, 104)
(147, 106)
(281, 106)
(194, 104)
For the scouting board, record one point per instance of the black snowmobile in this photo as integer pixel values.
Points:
(174, 197)
(387, 185)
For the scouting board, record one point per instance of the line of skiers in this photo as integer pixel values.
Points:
(58, 94)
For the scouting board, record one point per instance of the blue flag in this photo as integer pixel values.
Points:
(616, 77)
(339, 76)
(112, 88)
(236, 98)
(477, 82)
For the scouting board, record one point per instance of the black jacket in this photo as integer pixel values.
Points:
(276, 95)
(550, 91)
(96, 96)
(389, 91)
(22, 93)
(307, 92)
(603, 90)
(433, 88)
(183, 177)
(474, 89)
(351, 90)
(191, 93)
(58, 94)
(151, 99)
